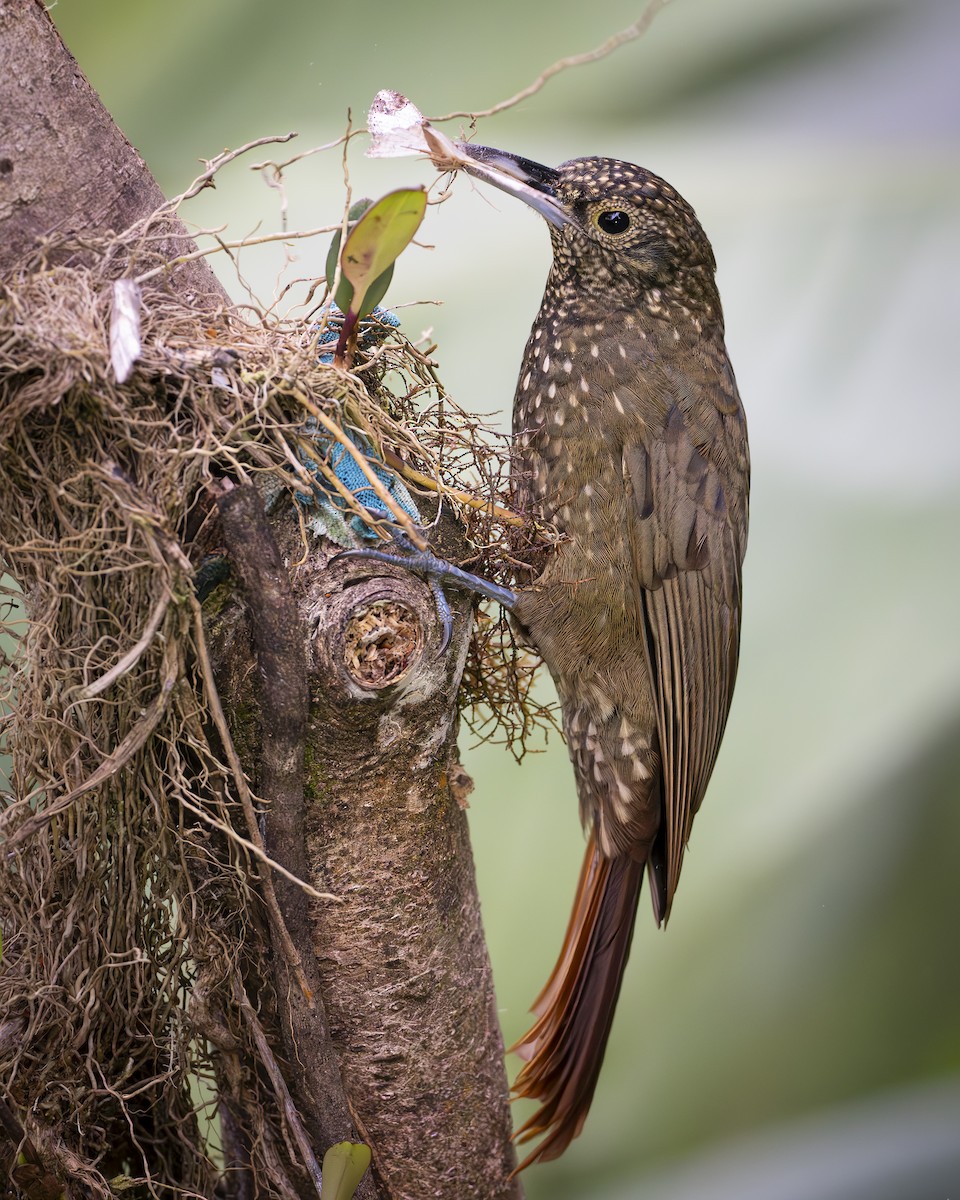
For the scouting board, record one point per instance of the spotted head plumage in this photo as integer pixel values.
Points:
(629, 232)
(619, 233)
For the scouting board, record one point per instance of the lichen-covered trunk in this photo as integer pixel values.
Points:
(398, 947)
(401, 953)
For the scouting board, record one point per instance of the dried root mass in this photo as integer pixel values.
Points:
(130, 914)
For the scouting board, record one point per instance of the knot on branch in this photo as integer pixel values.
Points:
(381, 642)
(374, 632)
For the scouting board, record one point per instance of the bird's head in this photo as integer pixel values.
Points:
(618, 231)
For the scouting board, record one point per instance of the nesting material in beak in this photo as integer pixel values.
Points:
(398, 128)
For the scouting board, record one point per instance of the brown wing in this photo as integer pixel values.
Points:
(689, 486)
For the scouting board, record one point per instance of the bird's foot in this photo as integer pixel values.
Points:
(437, 572)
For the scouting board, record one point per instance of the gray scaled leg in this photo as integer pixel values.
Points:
(438, 573)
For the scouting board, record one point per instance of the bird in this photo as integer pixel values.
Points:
(630, 437)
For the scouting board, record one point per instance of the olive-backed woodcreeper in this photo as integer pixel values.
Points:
(630, 437)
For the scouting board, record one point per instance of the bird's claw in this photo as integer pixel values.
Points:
(436, 572)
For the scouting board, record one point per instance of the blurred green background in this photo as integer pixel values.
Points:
(796, 1033)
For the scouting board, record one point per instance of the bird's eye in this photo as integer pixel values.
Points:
(613, 221)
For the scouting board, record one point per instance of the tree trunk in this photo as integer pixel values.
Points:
(341, 709)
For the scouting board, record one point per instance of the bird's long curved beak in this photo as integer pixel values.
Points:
(529, 181)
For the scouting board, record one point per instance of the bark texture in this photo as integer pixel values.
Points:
(402, 956)
(65, 166)
(399, 947)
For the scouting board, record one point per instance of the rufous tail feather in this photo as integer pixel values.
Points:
(564, 1049)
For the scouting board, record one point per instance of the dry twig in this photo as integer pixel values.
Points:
(630, 34)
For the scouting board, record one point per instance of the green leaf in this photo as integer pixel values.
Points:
(372, 246)
(333, 254)
(375, 293)
(343, 1167)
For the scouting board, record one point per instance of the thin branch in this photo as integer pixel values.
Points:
(280, 643)
(289, 162)
(220, 161)
(506, 515)
(291, 952)
(240, 244)
(630, 34)
(290, 1114)
(257, 851)
(272, 172)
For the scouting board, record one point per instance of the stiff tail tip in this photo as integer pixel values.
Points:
(564, 1049)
